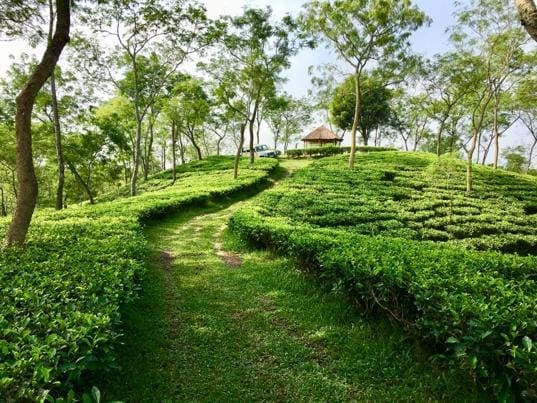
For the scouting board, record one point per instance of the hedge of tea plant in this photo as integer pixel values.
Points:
(60, 296)
(402, 236)
(329, 151)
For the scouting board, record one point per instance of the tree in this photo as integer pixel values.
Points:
(375, 105)
(410, 118)
(528, 16)
(443, 85)
(526, 106)
(494, 50)
(514, 156)
(27, 183)
(190, 108)
(253, 53)
(182, 28)
(286, 116)
(363, 31)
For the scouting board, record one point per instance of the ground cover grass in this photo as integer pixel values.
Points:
(217, 321)
(402, 237)
(60, 296)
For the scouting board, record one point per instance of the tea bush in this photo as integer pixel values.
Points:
(414, 245)
(329, 150)
(60, 295)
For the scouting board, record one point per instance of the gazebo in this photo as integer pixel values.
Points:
(320, 137)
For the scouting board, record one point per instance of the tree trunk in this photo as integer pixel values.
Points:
(469, 165)
(163, 155)
(27, 181)
(218, 144)
(136, 161)
(149, 150)
(239, 152)
(528, 16)
(439, 135)
(139, 121)
(181, 146)
(194, 144)
(56, 119)
(251, 130)
(532, 149)
(174, 153)
(3, 211)
(356, 120)
(81, 181)
(58, 142)
(496, 135)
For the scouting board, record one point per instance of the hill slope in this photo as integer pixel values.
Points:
(391, 232)
(60, 296)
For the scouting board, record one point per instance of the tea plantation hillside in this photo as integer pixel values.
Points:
(403, 237)
(60, 296)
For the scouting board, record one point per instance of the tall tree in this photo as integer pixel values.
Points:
(254, 52)
(140, 28)
(528, 16)
(27, 183)
(495, 48)
(361, 31)
(375, 105)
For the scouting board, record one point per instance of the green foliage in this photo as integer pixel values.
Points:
(403, 239)
(515, 158)
(60, 295)
(329, 150)
(375, 106)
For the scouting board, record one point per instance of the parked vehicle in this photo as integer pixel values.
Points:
(262, 151)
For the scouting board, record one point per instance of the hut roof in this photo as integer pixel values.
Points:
(322, 133)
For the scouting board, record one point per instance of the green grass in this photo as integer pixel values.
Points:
(265, 331)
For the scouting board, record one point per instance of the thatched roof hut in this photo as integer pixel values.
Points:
(320, 137)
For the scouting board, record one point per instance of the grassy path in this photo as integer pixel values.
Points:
(218, 322)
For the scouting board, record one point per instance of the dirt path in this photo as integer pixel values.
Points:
(218, 322)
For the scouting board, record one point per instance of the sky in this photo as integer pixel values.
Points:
(428, 41)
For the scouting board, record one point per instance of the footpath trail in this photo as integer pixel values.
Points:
(219, 322)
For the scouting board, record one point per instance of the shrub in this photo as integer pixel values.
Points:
(330, 150)
(479, 309)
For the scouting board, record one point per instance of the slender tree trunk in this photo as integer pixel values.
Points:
(239, 152)
(174, 153)
(252, 153)
(56, 120)
(356, 120)
(192, 138)
(58, 142)
(149, 150)
(163, 155)
(532, 149)
(439, 135)
(137, 151)
(469, 165)
(3, 211)
(139, 121)
(496, 135)
(181, 146)
(528, 16)
(81, 181)
(218, 143)
(487, 150)
(258, 126)
(27, 181)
